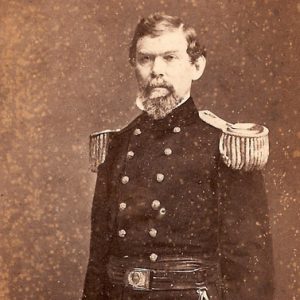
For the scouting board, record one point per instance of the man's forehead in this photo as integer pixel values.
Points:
(168, 41)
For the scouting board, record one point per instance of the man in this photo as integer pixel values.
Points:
(179, 210)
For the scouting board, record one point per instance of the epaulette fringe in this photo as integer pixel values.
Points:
(98, 147)
(243, 146)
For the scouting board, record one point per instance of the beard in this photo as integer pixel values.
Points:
(158, 99)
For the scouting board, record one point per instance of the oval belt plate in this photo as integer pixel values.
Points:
(138, 279)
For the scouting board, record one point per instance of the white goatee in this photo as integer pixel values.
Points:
(157, 103)
(157, 107)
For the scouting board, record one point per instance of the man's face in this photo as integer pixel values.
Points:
(163, 66)
(164, 72)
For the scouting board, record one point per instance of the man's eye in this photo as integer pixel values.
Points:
(144, 59)
(169, 57)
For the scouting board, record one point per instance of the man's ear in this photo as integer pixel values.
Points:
(199, 66)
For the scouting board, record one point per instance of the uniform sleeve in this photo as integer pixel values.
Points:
(96, 276)
(245, 243)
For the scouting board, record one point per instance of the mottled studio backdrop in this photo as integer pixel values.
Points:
(64, 74)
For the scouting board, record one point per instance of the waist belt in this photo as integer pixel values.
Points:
(168, 273)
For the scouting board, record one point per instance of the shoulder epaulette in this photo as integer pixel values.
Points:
(243, 146)
(98, 147)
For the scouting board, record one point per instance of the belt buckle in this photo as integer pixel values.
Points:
(138, 279)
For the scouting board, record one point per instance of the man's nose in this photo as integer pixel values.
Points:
(158, 67)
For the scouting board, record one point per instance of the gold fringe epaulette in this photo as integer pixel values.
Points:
(243, 146)
(98, 147)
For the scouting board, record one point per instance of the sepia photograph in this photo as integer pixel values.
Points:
(149, 150)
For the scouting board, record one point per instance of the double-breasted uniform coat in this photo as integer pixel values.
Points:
(163, 191)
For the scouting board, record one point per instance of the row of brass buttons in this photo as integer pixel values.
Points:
(155, 203)
(167, 151)
(152, 232)
(137, 131)
(159, 178)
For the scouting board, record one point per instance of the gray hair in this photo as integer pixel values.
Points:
(158, 23)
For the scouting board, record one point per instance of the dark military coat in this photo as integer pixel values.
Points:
(164, 190)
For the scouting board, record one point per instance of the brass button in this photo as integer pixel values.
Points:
(162, 211)
(153, 257)
(153, 232)
(122, 233)
(125, 179)
(176, 129)
(130, 154)
(168, 151)
(137, 131)
(122, 206)
(155, 204)
(160, 177)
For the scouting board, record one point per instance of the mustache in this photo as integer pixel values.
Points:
(158, 84)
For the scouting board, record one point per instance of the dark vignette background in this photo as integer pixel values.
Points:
(64, 74)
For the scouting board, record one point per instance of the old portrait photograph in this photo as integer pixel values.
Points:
(149, 149)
